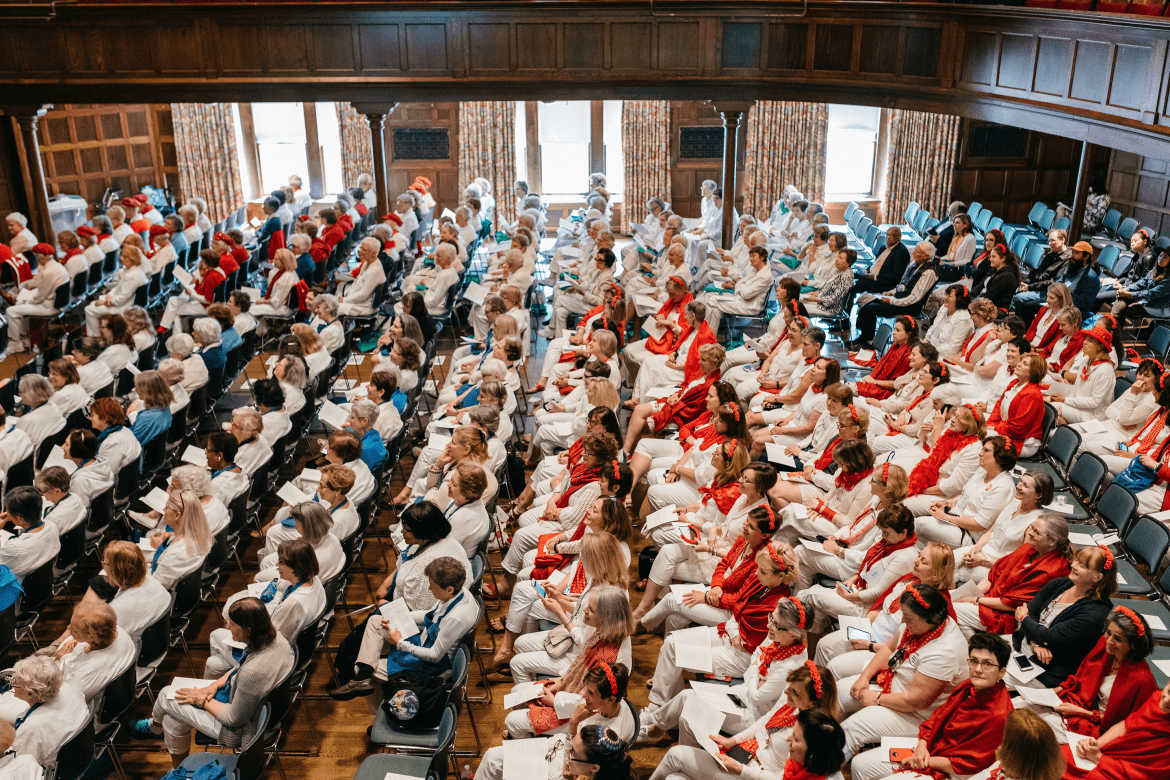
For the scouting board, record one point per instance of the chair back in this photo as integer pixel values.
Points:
(1087, 475)
(101, 514)
(1148, 541)
(94, 277)
(154, 452)
(155, 641)
(118, 696)
(38, 590)
(1112, 220)
(186, 594)
(1120, 386)
(1036, 212)
(126, 483)
(1063, 445)
(72, 547)
(7, 633)
(146, 357)
(1127, 228)
(47, 444)
(20, 474)
(76, 754)
(78, 286)
(1159, 341)
(142, 294)
(178, 426)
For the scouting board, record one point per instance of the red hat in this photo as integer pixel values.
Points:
(1101, 336)
(86, 230)
(5, 253)
(423, 180)
(158, 230)
(304, 218)
(131, 203)
(45, 249)
(224, 237)
(142, 197)
(393, 217)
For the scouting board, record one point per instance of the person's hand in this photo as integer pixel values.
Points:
(921, 757)
(725, 743)
(938, 510)
(1043, 655)
(860, 687)
(551, 604)
(1066, 709)
(737, 642)
(694, 598)
(557, 408)
(1089, 749)
(831, 546)
(1021, 612)
(554, 514)
(966, 600)
(728, 285)
(673, 399)
(672, 478)
(730, 765)
(563, 457)
(134, 407)
(859, 644)
(394, 635)
(846, 594)
(868, 378)
(809, 470)
(715, 594)
(792, 450)
(581, 713)
(1056, 398)
(1149, 463)
(65, 649)
(380, 593)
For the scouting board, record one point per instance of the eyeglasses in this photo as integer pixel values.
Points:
(987, 665)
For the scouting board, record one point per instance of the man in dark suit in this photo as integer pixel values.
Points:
(887, 269)
(944, 232)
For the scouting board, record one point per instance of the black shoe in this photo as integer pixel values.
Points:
(352, 690)
(859, 344)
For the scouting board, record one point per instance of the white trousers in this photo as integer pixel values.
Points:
(176, 306)
(836, 653)
(94, 314)
(678, 615)
(677, 562)
(17, 328)
(726, 661)
(683, 762)
(828, 604)
(178, 719)
(678, 493)
(531, 660)
(930, 529)
(869, 724)
(812, 564)
(524, 540)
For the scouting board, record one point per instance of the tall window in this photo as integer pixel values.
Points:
(564, 133)
(851, 151)
(279, 136)
(574, 139)
(280, 142)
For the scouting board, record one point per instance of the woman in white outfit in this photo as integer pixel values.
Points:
(982, 342)
(181, 551)
(119, 296)
(667, 370)
(315, 525)
(1092, 391)
(281, 281)
(60, 709)
(952, 326)
(68, 395)
(1033, 491)
(951, 462)
(847, 496)
(814, 483)
(962, 519)
(777, 369)
(1136, 419)
(794, 427)
(902, 428)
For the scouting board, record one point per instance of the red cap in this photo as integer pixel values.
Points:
(224, 237)
(423, 180)
(141, 197)
(393, 217)
(417, 187)
(304, 218)
(45, 249)
(5, 253)
(1100, 335)
(86, 230)
(158, 230)
(130, 203)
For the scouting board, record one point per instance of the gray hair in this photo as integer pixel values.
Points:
(372, 244)
(709, 184)
(365, 410)
(172, 371)
(180, 345)
(927, 247)
(40, 676)
(294, 371)
(313, 520)
(495, 367)
(207, 329)
(327, 302)
(486, 417)
(35, 389)
(815, 335)
(789, 617)
(300, 243)
(16, 216)
(404, 198)
(365, 181)
(596, 179)
(248, 418)
(465, 211)
(193, 479)
(446, 250)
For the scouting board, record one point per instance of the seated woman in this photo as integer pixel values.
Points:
(1067, 347)
(1059, 626)
(983, 315)
(719, 482)
(42, 418)
(554, 468)
(1133, 748)
(1092, 392)
(847, 496)
(794, 427)
(838, 398)
(405, 359)
(1045, 329)
(1109, 685)
(671, 323)
(880, 383)
(314, 524)
(427, 534)
(1002, 278)
(278, 295)
(886, 560)
(96, 652)
(117, 445)
(952, 325)
(905, 388)
(845, 547)
(57, 710)
(734, 640)
(992, 372)
(150, 415)
(332, 493)
(951, 462)
(182, 550)
(197, 480)
(119, 344)
(558, 346)
(832, 293)
(1018, 414)
(94, 374)
(963, 519)
(1136, 419)
(908, 675)
(810, 689)
(776, 403)
(469, 444)
(773, 660)
(961, 736)
(902, 427)
(603, 346)
(776, 370)
(1015, 578)
(247, 425)
(92, 476)
(180, 347)
(597, 392)
(228, 709)
(715, 530)
(136, 596)
(317, 359)
(681, 407)
(295, 600)
(230, 338)
(68, 396)
(1033, 491)
(119, 293)
(1146, 297)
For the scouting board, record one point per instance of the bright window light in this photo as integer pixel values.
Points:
(280, 135)
(852, 144)
(564, 146)
(521, 142)
(615, 169)
(329, 136)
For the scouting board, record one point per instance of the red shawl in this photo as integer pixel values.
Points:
(795, 771)
(690, 404)
(967, 728)
(826, 457)
(668, 343)
(579, 477)
(893, 364)
(19, 265)
(1069, 352)
(741, 577)
(1050, 336)
(333, 235)
(1164, 471)
(545, 718)
(319, 251)
(1015, 579)
(911, 579)
(1134, 683)
(345, 222)
(702, 336)
(880, 549)
(847, 480)
(925, 474)
(750, 608)
(696, 428)
(275, 242)
(1140, 754)
(576, 451)
(725, 496)
(1026, 419)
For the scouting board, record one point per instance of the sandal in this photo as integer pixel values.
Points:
(537, 388)
(488, 591)
(496, 626)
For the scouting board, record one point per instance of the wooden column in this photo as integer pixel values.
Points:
(251, 151)
(731, 113)
(376, 115)
(32, 171)
(313, 152)
(1077, 218)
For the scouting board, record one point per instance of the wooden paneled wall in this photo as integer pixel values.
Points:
(87, 148)
(11, 187)
(1046, 171)
(686, 176)
(444, 174)
(1139, 187)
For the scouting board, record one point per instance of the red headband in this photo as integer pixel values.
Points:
(885, 472)
(1111, 319)
(771, 518)
(776, 557)
(1002, 250)
(966, 292)
(1129, 613)
(853, 414)
(913, 591)
(1009, 445)
(604, 322)
(679, 282)
(735, 410)
(803, 320)
(800, 609)
(734, 443)
(616, 473)
(913, 322)
(942, 369)
(1108, 557)
(974, 411)
(818, 684)
(613, 691)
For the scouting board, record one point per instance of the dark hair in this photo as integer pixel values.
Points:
(225, 444)
(896, 517)
(268, 392)
(1045, 487)
(856, 456)
(1003, 456)
(426, 522)
(826, 742)
(250, 614)
(606, 418)
(1022, 344)
(910, 325)
(24, 502)
(612, 758)
(83, 444)
(1015, 325)
(928, 351)
(935, 611)
(765, 475)
(88, 346)
(759, 252)
(791, 287)
(446, 572)
(600, 680)
(386, 381)
(623, 482)
(209, 258)
(832, 371)
(767, 524)
(299, 555)
(996, 645)
(1139, 646)
(119, 330)
(346, 445)
(937, 370)
(850, 255)
(53, 478)
(271, 204)
(962, 295)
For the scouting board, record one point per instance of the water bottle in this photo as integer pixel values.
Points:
(465, 772)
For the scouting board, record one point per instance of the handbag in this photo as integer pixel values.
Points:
(415, 701)
(558, 642)
(1136, 477)
(214, 770)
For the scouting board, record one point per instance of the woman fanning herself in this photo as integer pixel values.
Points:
(772, 662)
(965, 518)
(778, 366)
(1134, 749)
(695, 559)
(1018, 415)
(886, 560)
(952, 462)
(1110, 684)
(794, 427)
(1092, 391)
(934, 566)
(733, 641)
(681, 407)
(846, 546)
(1136, 419)
(881, 383)
(1015, 578)
(847, 497)
(1059, 626)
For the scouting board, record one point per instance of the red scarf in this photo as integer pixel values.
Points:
(782, 718)
(826, 457)
(775, 652)
(880, 549)
(695, 429)
(74, 252)
(1153, 427)
(575, 453)
(909, 645)
(1133, 684)
(858, 528)
(925, 474)
(966, 728)
(1069, 352)
(969, 350)
(1015, 579)
(924, 395)
(847, 480)
(1139, 754)
(795, 771)
(725, 496)
(735, 580)
(893, 364)
(668, 342)
(703, 335)
(579, 477)
(1086, 371)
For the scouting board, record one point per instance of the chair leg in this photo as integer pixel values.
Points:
(190, 660)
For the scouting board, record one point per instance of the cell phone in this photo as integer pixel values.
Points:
(856, 633)
(1023, 662)
(540, 591)
(847, 588)
(738, 702)
(707, 676)
(1123, 446)
(739, 754)
(898, 755)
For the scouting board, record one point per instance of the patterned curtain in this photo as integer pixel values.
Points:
(645, 156)
(923, 148)
(357, 151)
(487, 148)
(209, 166)
(785, 145)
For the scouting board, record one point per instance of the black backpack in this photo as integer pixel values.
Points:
(415, 701)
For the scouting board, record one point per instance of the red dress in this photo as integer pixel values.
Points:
(893, 364)
(1132, 686)
(1015, 579)
(1025, 414)
(1140, 754)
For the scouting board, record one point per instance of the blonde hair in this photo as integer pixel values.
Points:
(897, 483)
(603, 393)
(131, 254)
(788, 555)
(504, 327)
(972, 422)
(942, 564)
(984, 309)
(310, 341)
(473, 438)
(191, 525)
(285, 260)
(615, 620)
(1029, 750)
(601, 555)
